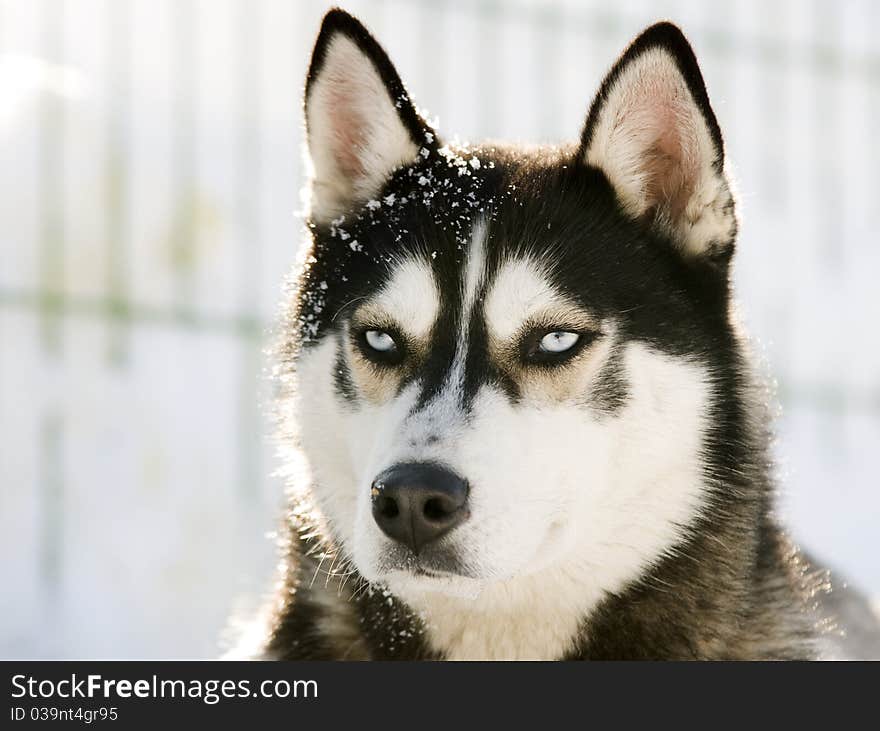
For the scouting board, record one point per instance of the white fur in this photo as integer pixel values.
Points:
(475, 271)
(472, 281)
(410, 298)
(565, 506)
(650, 104)
(356, 137)
(518, 293)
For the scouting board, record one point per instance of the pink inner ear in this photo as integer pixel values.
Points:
(670, 161)
(347, 129)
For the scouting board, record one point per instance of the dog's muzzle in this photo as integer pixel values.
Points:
(416, 503)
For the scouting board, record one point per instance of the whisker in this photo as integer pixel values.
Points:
(318, 568)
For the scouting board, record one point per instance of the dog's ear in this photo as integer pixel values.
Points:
(652, 132)
(360, 122)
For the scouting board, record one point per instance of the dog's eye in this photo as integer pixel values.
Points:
(381, 346)
(554, 347)
(380, 341)
(558, 341)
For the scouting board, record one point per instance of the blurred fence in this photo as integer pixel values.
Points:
(149, 177)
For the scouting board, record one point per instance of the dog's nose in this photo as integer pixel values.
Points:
(416, 503)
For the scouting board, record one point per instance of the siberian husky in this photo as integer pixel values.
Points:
(519, 416)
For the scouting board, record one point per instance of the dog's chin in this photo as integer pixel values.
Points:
(437, 570)
(441, 571)
(414, 584)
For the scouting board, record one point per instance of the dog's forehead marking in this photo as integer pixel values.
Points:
(442, 400)
(520, 290)
(471, 283)
(475, 271)
(411, 297)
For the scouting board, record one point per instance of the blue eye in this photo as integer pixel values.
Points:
(383, 347)
(380, 341)
(558, 341)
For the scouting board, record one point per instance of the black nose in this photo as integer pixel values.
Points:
(416, 503)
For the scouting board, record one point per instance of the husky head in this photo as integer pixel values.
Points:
(508, 363)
